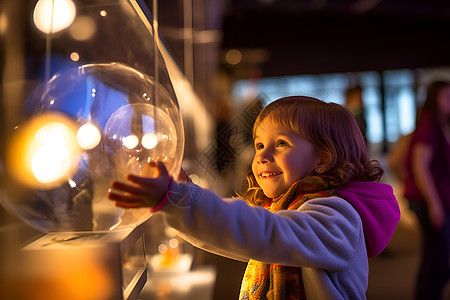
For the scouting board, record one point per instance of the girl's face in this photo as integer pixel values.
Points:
(443, 102)
(282, 157)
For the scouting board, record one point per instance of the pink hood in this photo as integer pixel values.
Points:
(379, 211)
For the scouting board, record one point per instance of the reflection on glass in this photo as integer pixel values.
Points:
(88, 136)
(149, 140)
(130, 142)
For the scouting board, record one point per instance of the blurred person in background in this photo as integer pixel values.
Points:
(354, 102)
(427, 187)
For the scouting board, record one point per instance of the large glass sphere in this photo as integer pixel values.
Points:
(88, 126)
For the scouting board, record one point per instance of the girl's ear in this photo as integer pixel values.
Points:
(324, 162)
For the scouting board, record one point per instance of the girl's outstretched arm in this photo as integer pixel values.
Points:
(142, 191)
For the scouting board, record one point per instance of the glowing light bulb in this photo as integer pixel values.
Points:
(50, 163)
(88, 136)
(130, 141)
(44, 151)
(149, 140)
(51, 16)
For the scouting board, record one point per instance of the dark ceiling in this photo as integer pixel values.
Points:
(323, 36)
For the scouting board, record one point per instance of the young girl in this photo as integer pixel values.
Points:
(313, 212)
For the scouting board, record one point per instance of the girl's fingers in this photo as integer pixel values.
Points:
(149, 183)
(124, 198)
(145, 192)
(132, 189)
(143, 181)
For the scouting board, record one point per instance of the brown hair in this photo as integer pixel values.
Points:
(332, 129)
(430, 106)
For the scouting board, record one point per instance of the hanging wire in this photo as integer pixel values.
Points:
(188, 32)
(156, 62)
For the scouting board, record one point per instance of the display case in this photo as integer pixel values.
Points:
(114, 261)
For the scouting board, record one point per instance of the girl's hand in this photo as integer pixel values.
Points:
(141, 191)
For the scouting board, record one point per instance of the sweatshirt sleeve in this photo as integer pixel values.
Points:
(323, 233)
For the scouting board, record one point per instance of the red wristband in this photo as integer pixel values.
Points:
(164, 200)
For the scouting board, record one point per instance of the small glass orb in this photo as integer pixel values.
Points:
(150, 135)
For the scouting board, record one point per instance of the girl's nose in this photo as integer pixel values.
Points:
(263, 156)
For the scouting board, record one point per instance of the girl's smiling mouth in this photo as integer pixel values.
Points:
(270, 174)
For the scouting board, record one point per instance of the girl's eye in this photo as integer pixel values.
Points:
(259, 146)
(281, 144)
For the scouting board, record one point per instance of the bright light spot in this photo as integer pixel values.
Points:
(83, 28)
(50, 163)
(233, 57)
(74, 56)
(43, 152)
(130, 141)
(173, 243)
(72, 183)
(88, 136)
(103, 13)
(52, 159)
(149, 140)
(162, 248)
(146, 96)
(51, 16)
(52, 102)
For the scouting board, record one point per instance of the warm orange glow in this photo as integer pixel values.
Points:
(79, 275)
(3, 23)
(44, 152)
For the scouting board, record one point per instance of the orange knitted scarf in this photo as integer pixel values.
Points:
(274, 281)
